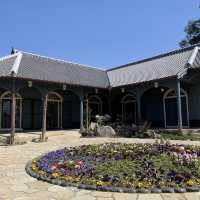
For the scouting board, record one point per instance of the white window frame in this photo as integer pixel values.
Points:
(165, 96)
(98, 102)
(124, 102)
(59, 102)
(17, 97)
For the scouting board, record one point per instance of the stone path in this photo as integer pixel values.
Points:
(15, 184)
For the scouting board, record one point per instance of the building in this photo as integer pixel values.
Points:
(40, 92)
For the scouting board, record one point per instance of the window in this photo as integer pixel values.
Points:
(6, 100)
(128, 108)
(54, 111)
(95, 106)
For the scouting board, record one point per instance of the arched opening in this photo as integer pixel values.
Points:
(32, 108)
(54, 110)
(70, 109)
(152, 106)
(94, 106)
(128, 109)
(6, 100)
(170, 108)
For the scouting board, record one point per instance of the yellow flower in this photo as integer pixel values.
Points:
(198, 181)
(34, 167)
(140, 184)
(100, 183)
(190, 182)
(68, 178)
(55, 175)
(78, 179)
(42, 172)
(34, 161)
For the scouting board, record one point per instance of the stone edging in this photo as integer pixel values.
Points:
(57, 181)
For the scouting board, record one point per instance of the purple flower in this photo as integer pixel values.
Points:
(118, 157)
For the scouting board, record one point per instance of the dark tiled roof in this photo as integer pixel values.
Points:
(158, 67)
(47, 69)
(30, 66)
(6, 64)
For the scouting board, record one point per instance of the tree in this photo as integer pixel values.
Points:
(192, 31)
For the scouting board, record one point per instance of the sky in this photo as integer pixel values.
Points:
(100, 33)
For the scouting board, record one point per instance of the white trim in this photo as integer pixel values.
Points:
(126, 96)
(174, 97)
(17, 97)
(16, 64)
(55, 93)
(7, 57)
(124, 102)
(61, 126)
(59, 107)
(189, 63)
(96, 103)
(193, 56)
(171, 90)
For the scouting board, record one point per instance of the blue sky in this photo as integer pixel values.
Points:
(102, 33)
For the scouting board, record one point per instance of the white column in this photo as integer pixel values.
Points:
(81, 112)
(44, 120)
(179, 110)
(13, 107)
(138, 99)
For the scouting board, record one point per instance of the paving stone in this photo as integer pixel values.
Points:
(172, 196)
(39, 185)
(149, 197)
(42, 195)
(19, 187)
(125, 196)
(83, 192)
(56, 188)
(22, 198)
(192, 196)
(84, 197)
(102, 194)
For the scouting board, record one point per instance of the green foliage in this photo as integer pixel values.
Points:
(125, 165)
(163, 161)
(118, 168)
(179, 136)
(192, 31)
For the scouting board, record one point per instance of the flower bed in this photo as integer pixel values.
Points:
(122, 167)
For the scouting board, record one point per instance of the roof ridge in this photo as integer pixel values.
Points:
(193, 56)
(61, 61)
(15, 67)
(156, 56)
(7, 57)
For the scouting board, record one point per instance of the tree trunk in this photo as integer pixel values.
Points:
(44, 119)
(13, 108)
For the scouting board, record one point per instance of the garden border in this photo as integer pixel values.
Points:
(64, 183)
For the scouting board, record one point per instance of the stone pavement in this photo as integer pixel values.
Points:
(15, 184)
